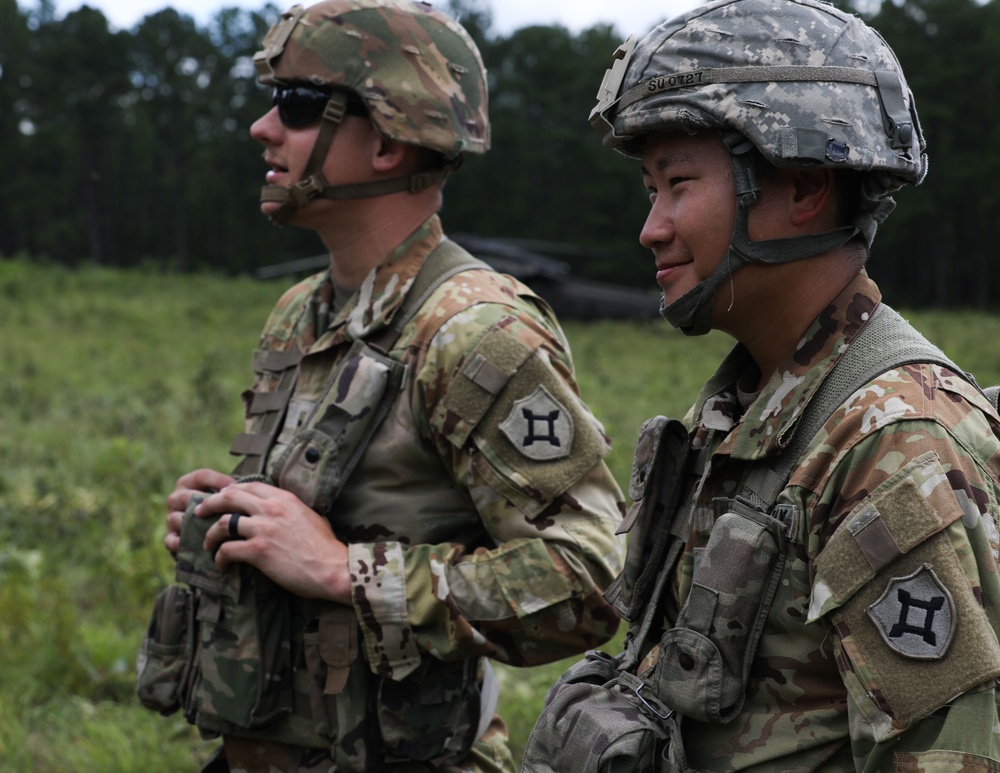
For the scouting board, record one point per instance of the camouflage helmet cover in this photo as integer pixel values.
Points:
(417, 70)
(803, 81)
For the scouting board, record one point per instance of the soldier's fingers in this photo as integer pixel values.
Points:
(261, 490)
(204, 480)
(172, 539)
(174, 520)
(232, 499)
(231, 527)
(233, 551)
(178, 499)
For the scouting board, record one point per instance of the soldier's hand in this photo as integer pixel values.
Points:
(280, 535)
(202, 481)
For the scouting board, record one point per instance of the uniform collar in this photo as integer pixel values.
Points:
(383, 290)
(766, 426)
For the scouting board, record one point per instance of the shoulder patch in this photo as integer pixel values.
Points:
(539, 426)
(916, 615)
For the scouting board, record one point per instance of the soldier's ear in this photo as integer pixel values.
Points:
(388, 155)
(812, 194)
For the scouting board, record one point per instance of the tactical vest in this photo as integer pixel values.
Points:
(633, 706)
(245, 658)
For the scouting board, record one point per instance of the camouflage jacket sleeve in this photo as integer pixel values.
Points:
(902, 536)
(494, 394)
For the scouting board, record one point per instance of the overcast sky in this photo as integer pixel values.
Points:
(627, 16)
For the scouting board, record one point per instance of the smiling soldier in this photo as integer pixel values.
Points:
(811, 577)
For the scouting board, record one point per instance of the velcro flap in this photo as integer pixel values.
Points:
(497, 356)
(802, 144)
(912, 505)
(915, 638)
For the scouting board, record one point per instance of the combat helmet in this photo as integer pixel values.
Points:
(417, 72)
(800, 81)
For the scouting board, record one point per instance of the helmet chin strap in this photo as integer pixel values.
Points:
(692, 313)
(314, 186)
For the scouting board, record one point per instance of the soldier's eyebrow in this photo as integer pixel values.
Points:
(667, 159)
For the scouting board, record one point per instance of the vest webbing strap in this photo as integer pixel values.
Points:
(265, 402)
(275, 360)
(253, 447)
(887, 342)
(446, 260)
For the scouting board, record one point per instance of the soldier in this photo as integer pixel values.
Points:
(422, 488)
(823, 523)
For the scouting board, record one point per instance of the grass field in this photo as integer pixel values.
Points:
(113, 384)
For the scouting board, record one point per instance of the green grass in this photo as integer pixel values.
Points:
(116, 382)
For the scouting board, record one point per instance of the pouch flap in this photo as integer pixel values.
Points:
(195, 565)
(650, 448)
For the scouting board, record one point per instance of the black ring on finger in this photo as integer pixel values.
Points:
(234, 526)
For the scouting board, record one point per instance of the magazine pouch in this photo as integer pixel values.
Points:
(704, 660)
(163, 665)
(242, 650)
(320, 457)
(654, 488)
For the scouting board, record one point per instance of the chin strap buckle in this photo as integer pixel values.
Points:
(306, 190)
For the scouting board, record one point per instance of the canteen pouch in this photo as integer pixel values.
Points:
(164, 662)
(704, 660)
(621, 725)
(242, 650)
(654, 488)
(433, 714)
(320, 458)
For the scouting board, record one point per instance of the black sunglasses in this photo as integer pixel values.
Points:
(302, 105)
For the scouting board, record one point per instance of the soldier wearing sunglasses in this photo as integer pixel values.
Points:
(421, 488)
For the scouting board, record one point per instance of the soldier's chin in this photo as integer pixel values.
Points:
(271, 210)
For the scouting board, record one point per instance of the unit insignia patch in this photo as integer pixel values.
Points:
(539, 426)
(916, 615)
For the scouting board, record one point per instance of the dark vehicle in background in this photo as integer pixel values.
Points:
(538, 265)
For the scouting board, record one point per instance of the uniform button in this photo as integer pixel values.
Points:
(686, 661)
(312, 455)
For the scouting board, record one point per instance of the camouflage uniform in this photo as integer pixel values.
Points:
(872, 583)
(463, 545)
(899, 488)
(460, 467)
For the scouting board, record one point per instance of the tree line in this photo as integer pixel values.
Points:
(132, 147)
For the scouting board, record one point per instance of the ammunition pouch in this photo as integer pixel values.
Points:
(319, 459)
(631, 715)
(242, 655)
(655, 486)
(704, 660)
(163, 667)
